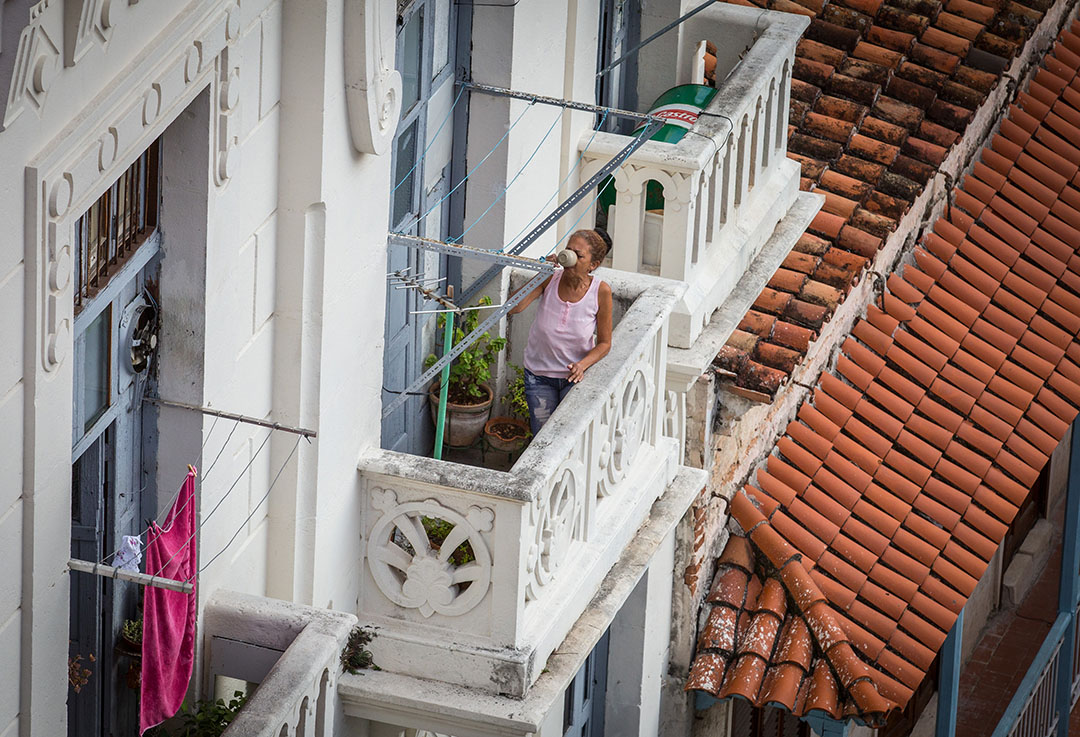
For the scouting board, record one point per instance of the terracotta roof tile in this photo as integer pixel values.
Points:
(789, 648)
(880, 93)
(905, 473)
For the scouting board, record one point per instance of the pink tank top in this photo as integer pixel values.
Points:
(563, 332)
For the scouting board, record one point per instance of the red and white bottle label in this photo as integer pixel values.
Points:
(683, 116)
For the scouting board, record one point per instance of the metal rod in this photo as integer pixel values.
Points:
(465, 342)
(232, 416)
(545, 100)
(444, 384)
(634, 49)
(459, 310)
(410, 283)
(481, 254)
(143, 579)
(653, 125)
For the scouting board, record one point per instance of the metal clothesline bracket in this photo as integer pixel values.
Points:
(309, 434)
(143, 579)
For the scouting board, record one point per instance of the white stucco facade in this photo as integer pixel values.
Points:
(268, 265)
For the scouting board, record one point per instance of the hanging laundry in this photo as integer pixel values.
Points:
(129, 555)
(168, 644)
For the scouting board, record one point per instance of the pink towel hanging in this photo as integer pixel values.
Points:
(168, 643)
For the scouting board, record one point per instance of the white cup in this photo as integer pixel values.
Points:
(566, 258)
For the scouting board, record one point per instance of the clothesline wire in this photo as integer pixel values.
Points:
(431, 142)
(172, 499)
(216, 506)
(599, 192)
(473, 170)
(558, 189)
(511, 182)
(571, 229)
(253, 509)
(165, 512)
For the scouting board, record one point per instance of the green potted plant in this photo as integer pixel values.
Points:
(469, 397)
(130, 644)
(509, 433)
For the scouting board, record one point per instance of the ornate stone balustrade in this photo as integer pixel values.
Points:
(727, 183)
(476, 575)
(293, 652)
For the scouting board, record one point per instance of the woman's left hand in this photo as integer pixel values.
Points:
(577, 372)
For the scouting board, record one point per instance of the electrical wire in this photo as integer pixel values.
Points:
(558, 189)
(411, 394)
(473, 170)
(511, 182)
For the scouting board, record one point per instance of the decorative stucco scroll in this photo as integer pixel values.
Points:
(557, 520)
(625, 422)
(36, 60)
(72, 171)
(372, 85)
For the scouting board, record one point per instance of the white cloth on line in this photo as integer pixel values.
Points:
(130, 554)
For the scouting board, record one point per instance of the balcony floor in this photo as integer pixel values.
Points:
(1007, 647)
(496, 460)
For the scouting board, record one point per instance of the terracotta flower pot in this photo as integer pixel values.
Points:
(464, 422)
(507, 434)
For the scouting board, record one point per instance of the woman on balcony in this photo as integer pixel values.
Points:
(572, 329)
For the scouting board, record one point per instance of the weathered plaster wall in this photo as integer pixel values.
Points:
(272, 294)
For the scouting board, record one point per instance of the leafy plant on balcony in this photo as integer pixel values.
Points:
(132, 631)
(204, 718)
(437, 531)
(471, 370)
(356, 657)
(515, 393)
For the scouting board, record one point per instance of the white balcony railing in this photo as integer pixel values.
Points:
(293, 652)
(529, 547)
(726, 183)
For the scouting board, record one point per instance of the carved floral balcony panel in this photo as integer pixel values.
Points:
(726, 183)
(502, 563)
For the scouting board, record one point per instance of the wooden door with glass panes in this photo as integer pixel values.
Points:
(116, 257)
(419, 205)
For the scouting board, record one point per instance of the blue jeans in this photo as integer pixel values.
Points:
(543, 394)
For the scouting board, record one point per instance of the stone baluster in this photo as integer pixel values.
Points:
(755, 145)
(710, 200)
(782, 109)
(742, 160)
(701, 214)
(727, 165)
(767, 137)
(680, 222)
(628, 232)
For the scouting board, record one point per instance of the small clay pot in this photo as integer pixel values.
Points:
(511, 436)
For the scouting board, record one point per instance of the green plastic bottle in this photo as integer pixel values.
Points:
(680, 106)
